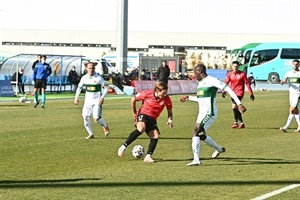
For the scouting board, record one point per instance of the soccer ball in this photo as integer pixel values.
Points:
(138, 151)
(22, 99)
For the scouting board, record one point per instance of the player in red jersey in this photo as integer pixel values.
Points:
(237, 80)
(153, 103)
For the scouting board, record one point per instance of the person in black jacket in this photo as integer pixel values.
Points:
(73, 78)
(20, 83)
(38, 59)
(163, 72)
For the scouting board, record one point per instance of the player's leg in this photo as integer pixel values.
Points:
(235, 114)
(296, 114)
(293, 103)
(209, 120)
(140, 128)
(86, 113)
(153, 133)
(97, 115)
(37, 84)
(43, 88)
(197, 131)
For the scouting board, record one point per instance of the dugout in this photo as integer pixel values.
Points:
(60, 64)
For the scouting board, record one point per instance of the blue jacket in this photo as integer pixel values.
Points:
(41, 71)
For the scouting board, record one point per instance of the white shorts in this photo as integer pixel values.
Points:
(294, 99)
(94, 110)
(206, 119)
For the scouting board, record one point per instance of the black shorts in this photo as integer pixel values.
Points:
(151, 123)
(239, 97)
(40, 83)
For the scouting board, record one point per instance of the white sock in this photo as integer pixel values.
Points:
(88, 125)
(289, 121)
(196, 148)
(297, 117)
(102, 122)
(210, 142)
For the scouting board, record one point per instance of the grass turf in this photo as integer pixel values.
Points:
(44, 154)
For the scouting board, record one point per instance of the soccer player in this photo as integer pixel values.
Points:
(40, 74)
(153, 103)
(237, 80)
(96, 89)
(207, 114)
(293, 77)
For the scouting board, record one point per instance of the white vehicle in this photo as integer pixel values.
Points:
(103, 67)
(133, 59)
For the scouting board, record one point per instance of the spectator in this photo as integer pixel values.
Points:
(127, 79)
(18, 76)
(143, 76)
(252, 80)
(38, 59)
(117, 79)
(163, 72)
(186, 76)
(73, 78)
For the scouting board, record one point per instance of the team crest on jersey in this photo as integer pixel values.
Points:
(161, 103)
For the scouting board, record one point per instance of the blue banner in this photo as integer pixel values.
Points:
(6, 89)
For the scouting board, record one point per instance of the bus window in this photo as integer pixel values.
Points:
(290, 54)
(247, 56)
(263, 56)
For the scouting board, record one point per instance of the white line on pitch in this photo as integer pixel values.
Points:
(265, 196)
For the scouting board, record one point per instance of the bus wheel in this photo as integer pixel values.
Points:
(273, 78)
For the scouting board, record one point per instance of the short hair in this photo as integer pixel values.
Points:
(44, 56)
(200, 67)
(296, 60)
(236, 62)
(91, 63)
(160, 86)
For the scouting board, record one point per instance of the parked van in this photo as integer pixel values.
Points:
(103, 67)
(133, 59)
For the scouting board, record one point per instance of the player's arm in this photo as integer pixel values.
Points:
(187, 98)
(78, 91)
(283, 81)
(247, 83)
(170, 118)
(227, 81)
(133, 106)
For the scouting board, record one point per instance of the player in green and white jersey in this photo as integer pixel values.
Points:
(206, 98)
(293, 78)
(96, 89)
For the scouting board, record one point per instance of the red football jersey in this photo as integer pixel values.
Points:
(151, 105)
(237, 82)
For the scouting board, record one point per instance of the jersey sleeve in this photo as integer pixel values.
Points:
(218, 84)
(140, 96)
(227, 80)
(247, 83)
(168, 103)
